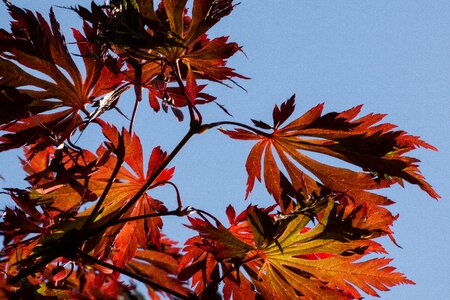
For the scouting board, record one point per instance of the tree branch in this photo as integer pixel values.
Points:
(147, 184)
(120, 159)
(179, 213)
(134, 276)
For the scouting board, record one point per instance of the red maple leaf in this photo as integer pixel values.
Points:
(375, 148)
(165, 45)
(46, 114)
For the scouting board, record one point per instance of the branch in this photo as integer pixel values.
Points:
(177, 212)
(120, 159)
(134, 276)
(147, 185)
(32, 269)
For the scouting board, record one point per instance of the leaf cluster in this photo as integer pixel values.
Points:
(88, 217)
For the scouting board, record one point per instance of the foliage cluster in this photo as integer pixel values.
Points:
(88, 218)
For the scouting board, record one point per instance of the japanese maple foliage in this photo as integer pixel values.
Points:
(88, 219)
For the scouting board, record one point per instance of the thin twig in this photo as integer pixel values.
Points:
(137, 89)
(196, 120)
(140, 217)
(134, 276)
(205, 127)
(32, 269)
(180, 205)
(133, 116)
(201, 213)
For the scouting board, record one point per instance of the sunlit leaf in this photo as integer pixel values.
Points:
(314, 263)
(375, 148)
(159, 267)
(50, 97)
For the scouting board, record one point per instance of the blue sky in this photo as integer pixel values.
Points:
(392, 56)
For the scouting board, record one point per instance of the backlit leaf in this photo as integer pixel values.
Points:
(295, 260)
(54, 102)
(159, 267)
(376, 148)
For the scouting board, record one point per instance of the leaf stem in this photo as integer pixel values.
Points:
(205, 127)
(196, 120)
(137, 88)
(133, 116)
(180, 205)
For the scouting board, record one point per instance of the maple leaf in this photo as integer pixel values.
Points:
(161, 45)
(288, 259)
(130, 29)
(174, 98)
(16, 224)
(161, 268)
(199, 57)
(332, 270)
(53, 190)
(238, 287)
(376, 148)
(223, 243)
(58, 178)
(64, 189)
(90, 283)
(198, 265)
(127, 236)
(46, 113)
(208, 58)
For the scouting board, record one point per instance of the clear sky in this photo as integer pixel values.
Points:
(392, 56)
